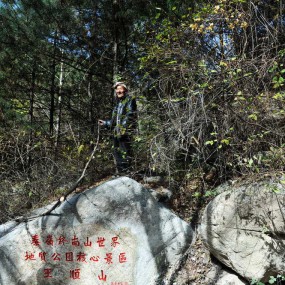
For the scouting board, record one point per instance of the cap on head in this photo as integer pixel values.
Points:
(120, 84)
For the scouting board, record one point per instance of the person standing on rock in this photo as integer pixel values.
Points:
(122, 124)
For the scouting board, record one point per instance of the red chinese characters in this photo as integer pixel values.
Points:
(52, 241)
(56, 257)
(81, 257)
(49, 240)
(102, 277)
(69, 256)
(30, 256)
(108, 258)
(88, 242)
(94, 258)
(61, 252)
(42, 256)
(47, 272)
(62, 240)
(75, 241)
(122, 257)
(75, 274)
(114, 242)
(35, 240)
(101, 241)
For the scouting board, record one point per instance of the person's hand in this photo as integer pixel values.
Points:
(101, 122)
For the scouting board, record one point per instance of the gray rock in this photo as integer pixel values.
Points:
(244, 228)
(229, 279)
(115, 231)
(161, 194)
(220, 276)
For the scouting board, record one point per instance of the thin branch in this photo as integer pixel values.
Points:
(72, 188)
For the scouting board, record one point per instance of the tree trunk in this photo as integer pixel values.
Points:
(92, 105)
(31, 113)
(53, 87)
(58, 119)
(115, 40)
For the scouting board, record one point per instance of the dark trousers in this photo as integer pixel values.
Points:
(122, 153)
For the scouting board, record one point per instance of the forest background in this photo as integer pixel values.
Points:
(208, 77)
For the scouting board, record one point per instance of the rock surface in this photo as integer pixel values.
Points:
(226, 278)
(113, 234)
(201, 268)
(244, 228)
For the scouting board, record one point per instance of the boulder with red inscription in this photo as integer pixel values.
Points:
(116, 233)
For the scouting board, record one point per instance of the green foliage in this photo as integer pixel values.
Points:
(272, 280)
(256, 282)
(210, 193)
(210, 87)
(202, 65)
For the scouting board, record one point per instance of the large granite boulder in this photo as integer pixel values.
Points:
(115, 234)
(244, 228)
